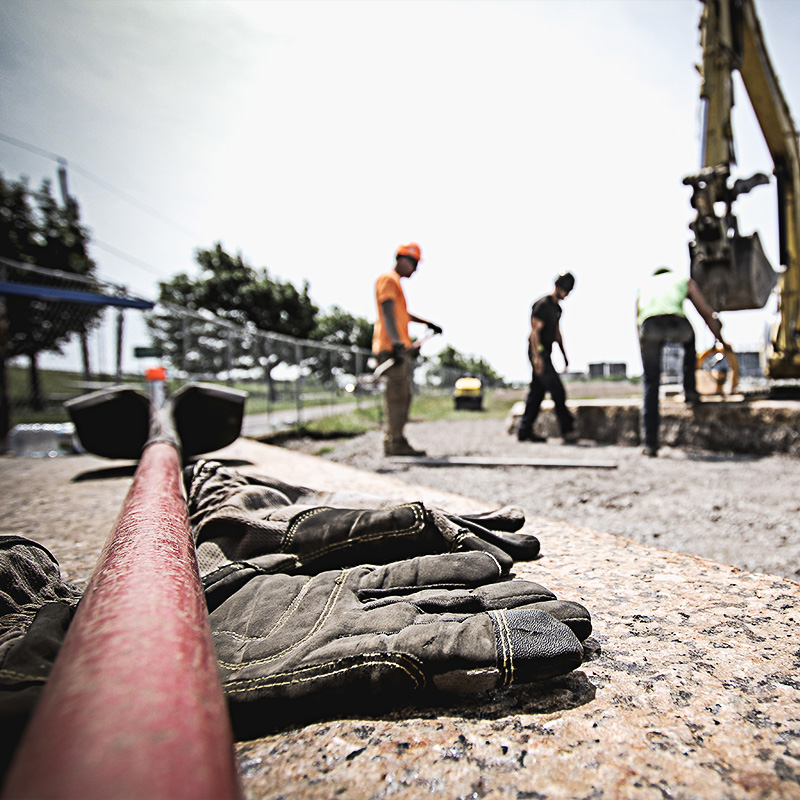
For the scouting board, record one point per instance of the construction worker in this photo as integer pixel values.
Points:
(391, 340)
(660, 319)
(545, 332)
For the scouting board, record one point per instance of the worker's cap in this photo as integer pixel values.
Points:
(566, 281)
(410, 250)
(661, 270)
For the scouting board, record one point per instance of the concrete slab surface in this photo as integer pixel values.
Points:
(691, 688)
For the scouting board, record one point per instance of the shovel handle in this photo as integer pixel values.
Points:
(134, 707)
(390, 362)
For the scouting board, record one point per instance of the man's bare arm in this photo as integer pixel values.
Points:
(432, 325)
(704, 309)
(389, 322)
(536, 345)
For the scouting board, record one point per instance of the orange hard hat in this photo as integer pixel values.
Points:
(410, 251)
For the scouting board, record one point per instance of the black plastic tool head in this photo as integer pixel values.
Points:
(118, 422)
(113, 423)
(207, 417)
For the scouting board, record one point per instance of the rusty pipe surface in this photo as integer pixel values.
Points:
(134, 707)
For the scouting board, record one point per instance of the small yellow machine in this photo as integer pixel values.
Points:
(468, 394)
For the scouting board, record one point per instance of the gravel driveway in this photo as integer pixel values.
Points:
(739, 510)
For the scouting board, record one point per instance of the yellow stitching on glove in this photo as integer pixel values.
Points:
(419, 518)
(321, 620)
(410, 667)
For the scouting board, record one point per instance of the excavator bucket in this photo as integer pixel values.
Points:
(742, 279)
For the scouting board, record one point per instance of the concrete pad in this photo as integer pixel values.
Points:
(497, 461)
(691, 691)
(728, 424)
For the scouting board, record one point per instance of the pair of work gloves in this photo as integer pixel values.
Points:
(312, 594)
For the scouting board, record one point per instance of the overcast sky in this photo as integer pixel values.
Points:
(512, 140)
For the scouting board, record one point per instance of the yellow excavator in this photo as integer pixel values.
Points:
(731, 269)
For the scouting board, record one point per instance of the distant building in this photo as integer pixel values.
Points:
(617, 370)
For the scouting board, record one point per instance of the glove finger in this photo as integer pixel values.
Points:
(505, 594)
(520, 546)
(507, 518)
(445, 571)
(467, 541)
(575, 616)
(533, 645)
(477, 652)
(459, 536)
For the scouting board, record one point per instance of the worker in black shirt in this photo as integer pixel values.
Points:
(545, 331)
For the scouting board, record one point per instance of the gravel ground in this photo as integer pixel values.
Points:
(735, 509)
(738, 510)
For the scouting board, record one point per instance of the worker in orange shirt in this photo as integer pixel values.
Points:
(391, 340)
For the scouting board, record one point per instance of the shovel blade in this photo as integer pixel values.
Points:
(119, 421)
(112, 423)
(207, 417)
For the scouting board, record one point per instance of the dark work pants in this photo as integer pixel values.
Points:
(653, 335)
(548, 381)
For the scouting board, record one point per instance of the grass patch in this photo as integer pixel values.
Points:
(432, 407)
(426, 407)
(338, 426)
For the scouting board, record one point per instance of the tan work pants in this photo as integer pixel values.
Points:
(397, 397)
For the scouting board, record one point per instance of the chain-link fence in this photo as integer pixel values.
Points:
(67, 334)
(60, 335)
(289, 381)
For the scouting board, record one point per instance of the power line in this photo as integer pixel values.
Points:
(30, 147)
(125, 257)
(102, 184)
(133, 201)
(62, 162)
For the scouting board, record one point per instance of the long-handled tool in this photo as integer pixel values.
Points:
(390, 362)
(134, 706)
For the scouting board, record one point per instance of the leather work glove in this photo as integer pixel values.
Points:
(36, 608)
(244, 524)
(445, 622)
(435, 329)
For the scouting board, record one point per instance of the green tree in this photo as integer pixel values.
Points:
(451, 359)
(36, 230)
(231, 291)
(451, 364)
(65, 245)
(347, 331)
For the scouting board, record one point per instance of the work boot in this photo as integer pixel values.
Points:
(571, 437)
(650, 452)
(401, 447)
(530, 437)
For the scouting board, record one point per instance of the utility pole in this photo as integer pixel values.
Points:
(72, 217)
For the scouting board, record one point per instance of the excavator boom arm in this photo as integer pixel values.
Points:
(732, 269)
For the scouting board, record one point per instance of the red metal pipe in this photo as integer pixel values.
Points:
(134, 707)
